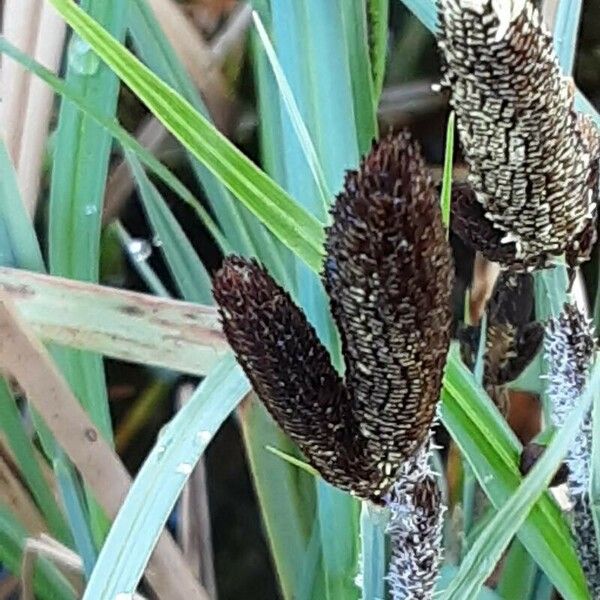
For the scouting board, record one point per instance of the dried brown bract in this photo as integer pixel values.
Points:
(389, 275)
(388, 272)
(533, 159)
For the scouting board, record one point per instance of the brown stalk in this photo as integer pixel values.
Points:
(15, 495)
(34, 27)
(22, 355)
(117, 323)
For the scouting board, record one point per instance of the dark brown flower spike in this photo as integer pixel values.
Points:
(289, 369)
(389, 274)
(533, 159)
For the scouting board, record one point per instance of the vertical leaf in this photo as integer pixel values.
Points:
(79, 175)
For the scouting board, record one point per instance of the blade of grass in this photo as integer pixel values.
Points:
(78, 518)
(287, 508)
(373, 525)
(23, 451)
(80, 167)
(365, 96)
(286, 496)
(519, 574)
(190, 275)
(446, 196)
(160, 480)
(493, 453)
(78, 180)
(300, 130)
(18, 241)
(487, 550)
(378, 15)
(49, 584)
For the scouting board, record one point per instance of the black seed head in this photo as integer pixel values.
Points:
(389, 274)
(533, 159)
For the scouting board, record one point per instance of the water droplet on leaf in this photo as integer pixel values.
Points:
(82, 58)
(140, 250)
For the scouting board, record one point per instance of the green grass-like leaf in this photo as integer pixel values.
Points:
(495, 538)
(159, 482)
(378, 15)
(244, 179)
(22, 447)
(190, 275)
(446, 197)
(492, 450)
(48, 583)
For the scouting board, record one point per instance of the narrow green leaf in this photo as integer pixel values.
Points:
(23, 450)
(303, 136)
(79, 172)
(362, 69)
(18, 243)
(495, 538)
(446, 197)
(78, 518)
(492, 450)
(293, 461)
(286, 497)
(48, 583)
(154, 49)
(159, 482)
(246, 181)
(378, 16)
(373, 524)
(519, 574)
(190, 275)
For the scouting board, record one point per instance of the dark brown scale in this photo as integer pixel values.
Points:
(389, 274)
(533, 159)
(512, 340)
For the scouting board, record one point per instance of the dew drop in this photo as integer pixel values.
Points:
(156, 241)
(82, 58)
(160, 450)
(184, 468)
(90, 209)
(140, 250)
(204, 437)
